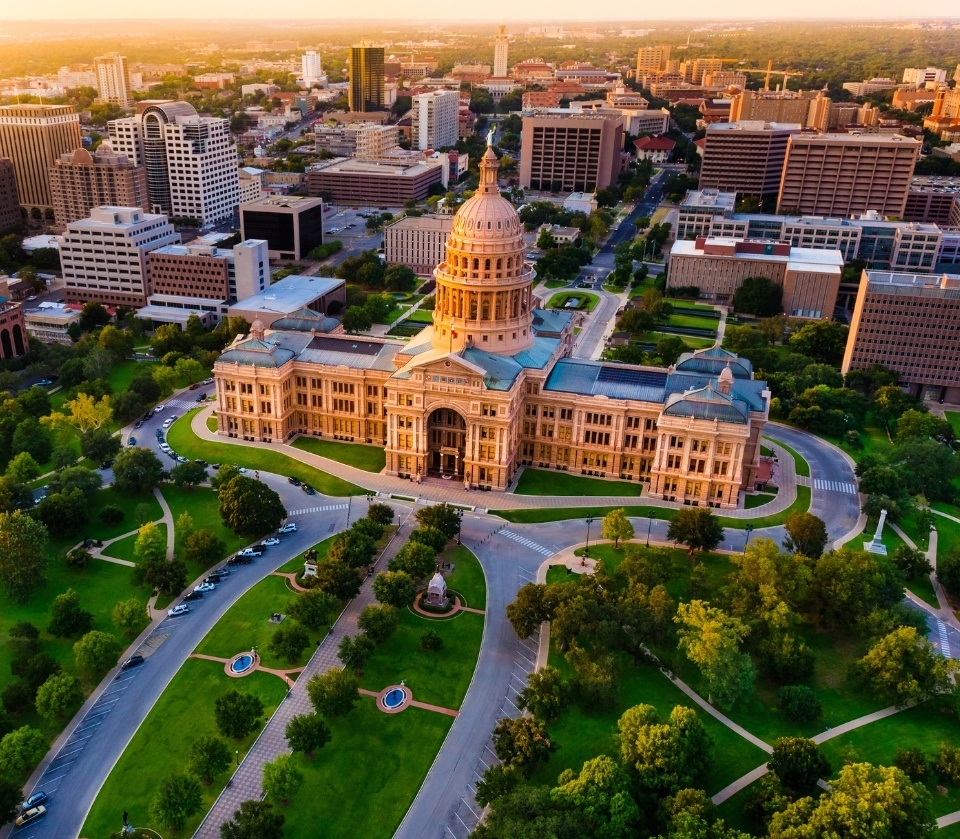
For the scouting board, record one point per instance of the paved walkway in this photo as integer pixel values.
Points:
(439, 709)
(289, 676)
(246, 783)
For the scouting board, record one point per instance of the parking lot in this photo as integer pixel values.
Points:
(351, 222)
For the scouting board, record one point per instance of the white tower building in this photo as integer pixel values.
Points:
(310, 69)
(113, 79)
(435, 118)
(500, 54)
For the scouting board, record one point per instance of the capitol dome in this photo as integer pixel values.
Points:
(484, 293)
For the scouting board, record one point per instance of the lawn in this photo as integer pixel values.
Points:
(467, 578)
(182, 439)
(679, 303)
(693, 322)
(802, 467)
(587, 301)
(424, 316)
(245, 624)
(131, 505)
(296, 564)
(121, 374)
(212, 424)
(124, 548)
(953, 417)
(543, 482)
(183, 713)
(368, 458)
(204, 508)
(691, 341)
(758, 499)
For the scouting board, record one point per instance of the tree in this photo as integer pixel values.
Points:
(20, 751)
(947, 764)
(806, 534)
(912, 762)
(313, 608)
(864, 800)
(76, 477)
(356, 319)
(443, 517)
(904, 667)
(31, 437)
(339, 580)
(380, 514)
(352, 547)
(528, 610)
(204, 549)
(497, 781)
(86, 413)
(545, 694)
(399, 278)
(798, 764)
(237, 714)
(63, 457)
(948, 570)
(395, 588)
(617, 526)
(759, 296)
(355, 651)
(429, 537)
(188, 475)
(23, 557)
(522, 743)
(697, 528)
(799, 703)
(63, 513)
(66, 616)
(431, 641)
(189, 369)
(822, 340)
(129, 616)
(378, 622)
(281, 779)
(289, 641)
(79, 558)
(208, 757)
(150, 547)
(22, 469)
(59, 697)
(847, 585)
(250, 507)
(914, 424)
(711, 639)
(95, 652)
(416, 559)
(333, 693)
(99, 444)
(136, 471)
(601, 793)
(307, 733)
(254, 820)
(669, 349)
(11, 795)
(913, 563)
(178, 797)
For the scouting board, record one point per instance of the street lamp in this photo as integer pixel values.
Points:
(749, 529)
(349, 508)
(237, 753)
(459, 524)
(586, 550)
(649, 525)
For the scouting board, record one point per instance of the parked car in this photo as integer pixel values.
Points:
(106, 464)
(133, 661)
(164, 448)
(34, 800)
(31, 815)
(44, 383)
(159, 408)
(132, 441)
(203, 463)
(182, 459)
(168, 422)
(289, 527)
(207, 381)
(138, 424)
(309, 490)
(194, 386)
(219, 572)
(204, 587)
(193, 595)
(182, 609)
(294, 481)
(202, 398)
(173, 455)
(173, 417)
(160, 434)
(240, 560)
(271, 542)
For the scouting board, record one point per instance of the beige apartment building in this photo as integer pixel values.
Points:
(491, 386)
(810, 278)
(909, 323)
(772, 106)
(652, 59)
(570, 151)
(80, 181)
(847, 174)
(34, 137)
(745, 157)
(419, 243)
(113, 80)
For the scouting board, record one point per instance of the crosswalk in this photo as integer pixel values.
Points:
(835, 486)
(324, 509)
(182, 404)
(540, 549)
(944, 639)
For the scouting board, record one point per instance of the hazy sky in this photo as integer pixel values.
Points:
(533, 10)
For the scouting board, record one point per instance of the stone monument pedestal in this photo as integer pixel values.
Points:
(875, 545)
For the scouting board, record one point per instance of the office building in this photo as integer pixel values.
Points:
(500, 46)
(933, 199)
(191, 161)
(10, 215)
(435, 116)
(34, 137)
(847, 174)
(310, 71)
(80, 181)
(250, 181)
(379, 182)
(492, 387)
(922, 76)
(113, 80)
(104, 257)
(50, 322)
(290, 296)
(652, 59)
(567, 151)
(293, 226)
(909, 323)
(745, 157)
(784, 106)
(420, 243)
(868, 86)
(655, 149)
(717, 267)
(365, 92)
(13, 334)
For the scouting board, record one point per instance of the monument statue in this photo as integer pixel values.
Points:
(875, 545)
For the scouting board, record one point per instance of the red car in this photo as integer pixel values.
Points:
(194, 387)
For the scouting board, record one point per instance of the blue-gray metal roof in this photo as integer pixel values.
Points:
(707, 403)
(499, 371)
(538, 355)
(549, 320)
(748, 390)
(713, 360)
(257, 354)
(616, 381)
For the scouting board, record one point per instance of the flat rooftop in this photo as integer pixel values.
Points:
(295, 202)
(891, 282)
(696, 199)
(441, 223)
(289, 295)
(823, 259)
(381, 168)
(753, 125)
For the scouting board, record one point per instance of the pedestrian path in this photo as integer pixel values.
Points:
(836, 486)
(528, 543)
(325, 509)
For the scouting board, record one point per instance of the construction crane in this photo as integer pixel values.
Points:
(769, 71)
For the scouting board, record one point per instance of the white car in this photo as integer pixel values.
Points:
(291, 527)
(182, 609)
(271, 542)
(204, 587)
(168, 422)
(207, 382)
(182, 459)
(159, 408)
(165, 448)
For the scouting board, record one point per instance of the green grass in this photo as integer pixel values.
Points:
(245, 625)
(544, 482)
(691, 341)
(183, 713)
(758, 499)
(212, 424)
(182, 439)
(766, 451)
(368, 458)
(692, 322)
(204, 508)
(366, 777)
(122, 373)
(953, 417)
(423, 316)
(123, 548)
(296, 564)
(587, 301)
(802, 467)
(800, 505)
(467, 576)
(679, 303)
(96, 529)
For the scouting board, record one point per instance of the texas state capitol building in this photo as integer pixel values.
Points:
(492, 386)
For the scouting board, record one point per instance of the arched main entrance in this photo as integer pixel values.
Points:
(447, 442)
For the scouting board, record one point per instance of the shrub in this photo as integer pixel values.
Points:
(913, 763)
(799, 704)
(947, 763)
(111, 515)
(431, 640)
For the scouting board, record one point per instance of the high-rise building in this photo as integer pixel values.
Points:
(745, 157)
(419, 243)
(80, 181)
(104, 257)
(435, 118)
(652, 59)
(500, 46)
(366, 78)
(113, 79)
(847, 174)
(10, 215)
(33, 137)
(191, 161)
(772, 106)
(310, 70)
(570, 151)
(291, 225)
(208, 272)
(921, 76)
(909, 323)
